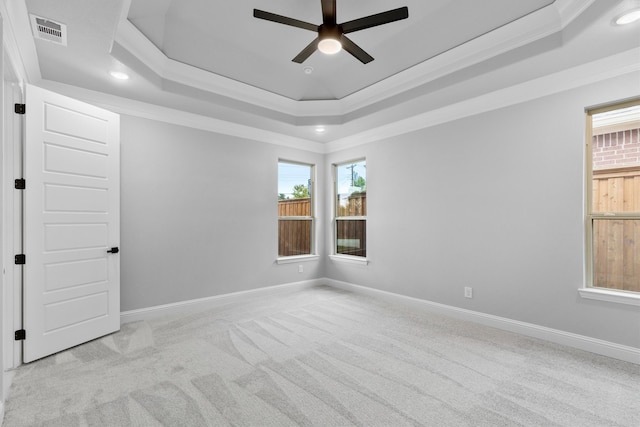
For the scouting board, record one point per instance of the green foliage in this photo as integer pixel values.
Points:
(300, 191)
(282, 196)
(360, 182)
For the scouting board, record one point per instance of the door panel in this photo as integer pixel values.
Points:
(60, 237)
(67, 198)
(61, 314)
(71, 210)
(75, 162)
(76, 124)
(75, 273)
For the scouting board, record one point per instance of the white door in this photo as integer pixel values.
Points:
(71, 221)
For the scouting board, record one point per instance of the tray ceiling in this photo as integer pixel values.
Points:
(224, 38)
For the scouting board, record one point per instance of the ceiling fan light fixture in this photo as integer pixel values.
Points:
(329, 46)
(331, 35)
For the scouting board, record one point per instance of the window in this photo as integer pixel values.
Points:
(613, 198)
(295, 209)
(351, 208)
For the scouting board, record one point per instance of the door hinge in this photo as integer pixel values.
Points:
(20, 184)
(20, 108)
(21, 259)
(20, 335)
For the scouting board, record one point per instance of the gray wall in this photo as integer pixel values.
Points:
(495, 202)
(199, 214)
(477, 202)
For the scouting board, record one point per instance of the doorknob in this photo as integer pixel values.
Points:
(113, 251)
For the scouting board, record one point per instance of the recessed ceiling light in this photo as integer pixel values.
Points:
(307, 69)
(628, 17)
(320, 129)
(119, 75)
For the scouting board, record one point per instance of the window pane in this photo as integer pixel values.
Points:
(351, 237)
(615, 149)
(351, 189)
(294, 189)
(294, 237)
(616, 254)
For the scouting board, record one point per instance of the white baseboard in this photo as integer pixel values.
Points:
(183, 306)
(593, 345)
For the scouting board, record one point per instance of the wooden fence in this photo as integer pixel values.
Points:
(294, 207)
(616, 242)
(616, 190)
(294, 236)
(351, 235)
(356, 205)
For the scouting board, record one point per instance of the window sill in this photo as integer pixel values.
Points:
(296, 258)
(610, 296)
(349, 259)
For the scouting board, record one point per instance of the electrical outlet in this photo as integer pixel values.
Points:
(468, 292)
(300, 269)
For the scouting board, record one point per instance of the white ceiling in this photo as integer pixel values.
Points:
(224, 38)
(214, 60)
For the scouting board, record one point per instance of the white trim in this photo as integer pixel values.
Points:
(133, 41)
(157, 311)
(604, 348)
(18, 40)
(582, 75)
(610, 296)
(349, 259)
(589, 73)
(144, 110)
(570, 9)
(553, 18)
(297, 258)
(594, 345)
(534, 26)
(12, 223)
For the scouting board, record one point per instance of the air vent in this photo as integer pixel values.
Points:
(45, 29)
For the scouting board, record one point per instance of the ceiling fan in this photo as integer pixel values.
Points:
(331, 35)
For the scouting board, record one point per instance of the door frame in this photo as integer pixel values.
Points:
(12, 220)
(13, 167)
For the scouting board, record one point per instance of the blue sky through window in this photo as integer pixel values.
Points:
(290, 175)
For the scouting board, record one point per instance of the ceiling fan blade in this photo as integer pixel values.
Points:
(307, 51)
(261, 14)
(375, 20)
(328, 12)
(355, 50)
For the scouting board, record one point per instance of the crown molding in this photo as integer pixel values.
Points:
(591, 72)
(18, 41)
(163, 114)
(535, 26)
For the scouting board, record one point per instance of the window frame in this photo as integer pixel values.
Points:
(590, 291)
(313, 253)
(335, 256)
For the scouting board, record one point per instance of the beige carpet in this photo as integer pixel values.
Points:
(322, 357)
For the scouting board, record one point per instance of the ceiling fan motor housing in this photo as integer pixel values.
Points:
(329, 32)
